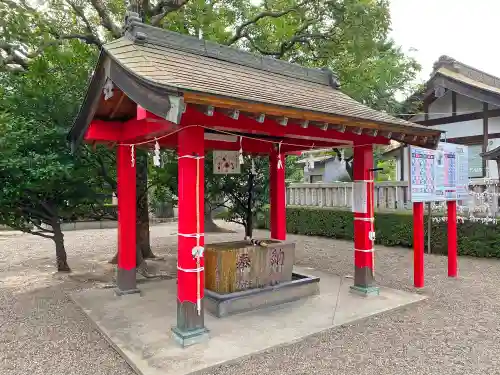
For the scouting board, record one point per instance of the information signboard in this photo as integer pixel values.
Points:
(438, 175)
(446, 172)
(422, 174)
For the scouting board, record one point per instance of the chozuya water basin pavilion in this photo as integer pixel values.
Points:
(154, 86)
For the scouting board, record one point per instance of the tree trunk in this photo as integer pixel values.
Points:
(142, 228)
(210, 226)
(61, 257)
(249, 213)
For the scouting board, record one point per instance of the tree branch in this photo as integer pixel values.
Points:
(240, 30)
(41, 234)
(299, 37)
(39, 214)
(105, 17)
(51, 210)
(236, 221)
(163, 8)
(237, 199)
(17, 54)
(24, 229)
(42, 230)
(337, 151)
(80, 13)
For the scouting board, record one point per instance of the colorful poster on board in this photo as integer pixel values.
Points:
(446, 172)
(422, 174)
(439, 175)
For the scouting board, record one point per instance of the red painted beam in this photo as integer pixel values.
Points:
(103, 131)
(130, 131)
(135, 130)
(270, 127)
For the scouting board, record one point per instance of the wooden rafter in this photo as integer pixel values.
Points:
(296, 115)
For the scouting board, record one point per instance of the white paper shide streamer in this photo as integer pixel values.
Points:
(156, 156)
(280, 163)
(242, 161)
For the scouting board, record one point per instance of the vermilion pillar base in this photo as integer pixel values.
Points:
(126, 179)
(190, 328)
(364, 230)
(452, 238)
(418, 244)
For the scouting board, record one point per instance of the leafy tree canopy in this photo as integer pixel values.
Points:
(348, 36)
(41, 183)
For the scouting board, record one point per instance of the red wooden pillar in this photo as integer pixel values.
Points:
(272, 195)
(452, 238)
(418, 244)
(364, 232)
(126, 276)
(190, 327)
(278, 196)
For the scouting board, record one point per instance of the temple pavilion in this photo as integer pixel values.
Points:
(156, 87)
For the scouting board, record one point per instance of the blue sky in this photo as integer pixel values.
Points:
(467, 30)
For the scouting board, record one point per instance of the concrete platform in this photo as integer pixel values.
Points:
(138, 326)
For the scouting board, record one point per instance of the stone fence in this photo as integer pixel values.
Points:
(390, 195)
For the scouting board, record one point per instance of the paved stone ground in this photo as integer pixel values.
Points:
(455, 331)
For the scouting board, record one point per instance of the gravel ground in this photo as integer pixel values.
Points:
(455, 331)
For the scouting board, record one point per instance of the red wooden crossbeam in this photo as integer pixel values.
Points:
(103, 131)
(148, 126)
(129, 131)
(271, 127)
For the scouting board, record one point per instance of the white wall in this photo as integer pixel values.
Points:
(441, 107)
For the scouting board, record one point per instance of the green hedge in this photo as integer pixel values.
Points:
(392, 229)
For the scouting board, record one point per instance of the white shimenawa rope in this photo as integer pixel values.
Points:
(372, 222)
(198, 250)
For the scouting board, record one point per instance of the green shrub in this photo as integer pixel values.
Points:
(392, 229)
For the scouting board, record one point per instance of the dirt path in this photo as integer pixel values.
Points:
(455, 331)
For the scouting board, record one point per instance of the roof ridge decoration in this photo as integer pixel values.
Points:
(445, 62)
(130, 19)
(140, 33)
(459, 67)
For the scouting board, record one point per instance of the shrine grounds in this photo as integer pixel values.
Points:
(456, 330)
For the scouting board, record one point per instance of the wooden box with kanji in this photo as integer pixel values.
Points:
(236, 266)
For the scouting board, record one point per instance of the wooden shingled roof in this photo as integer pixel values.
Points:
(152, 61)
(463, 79)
